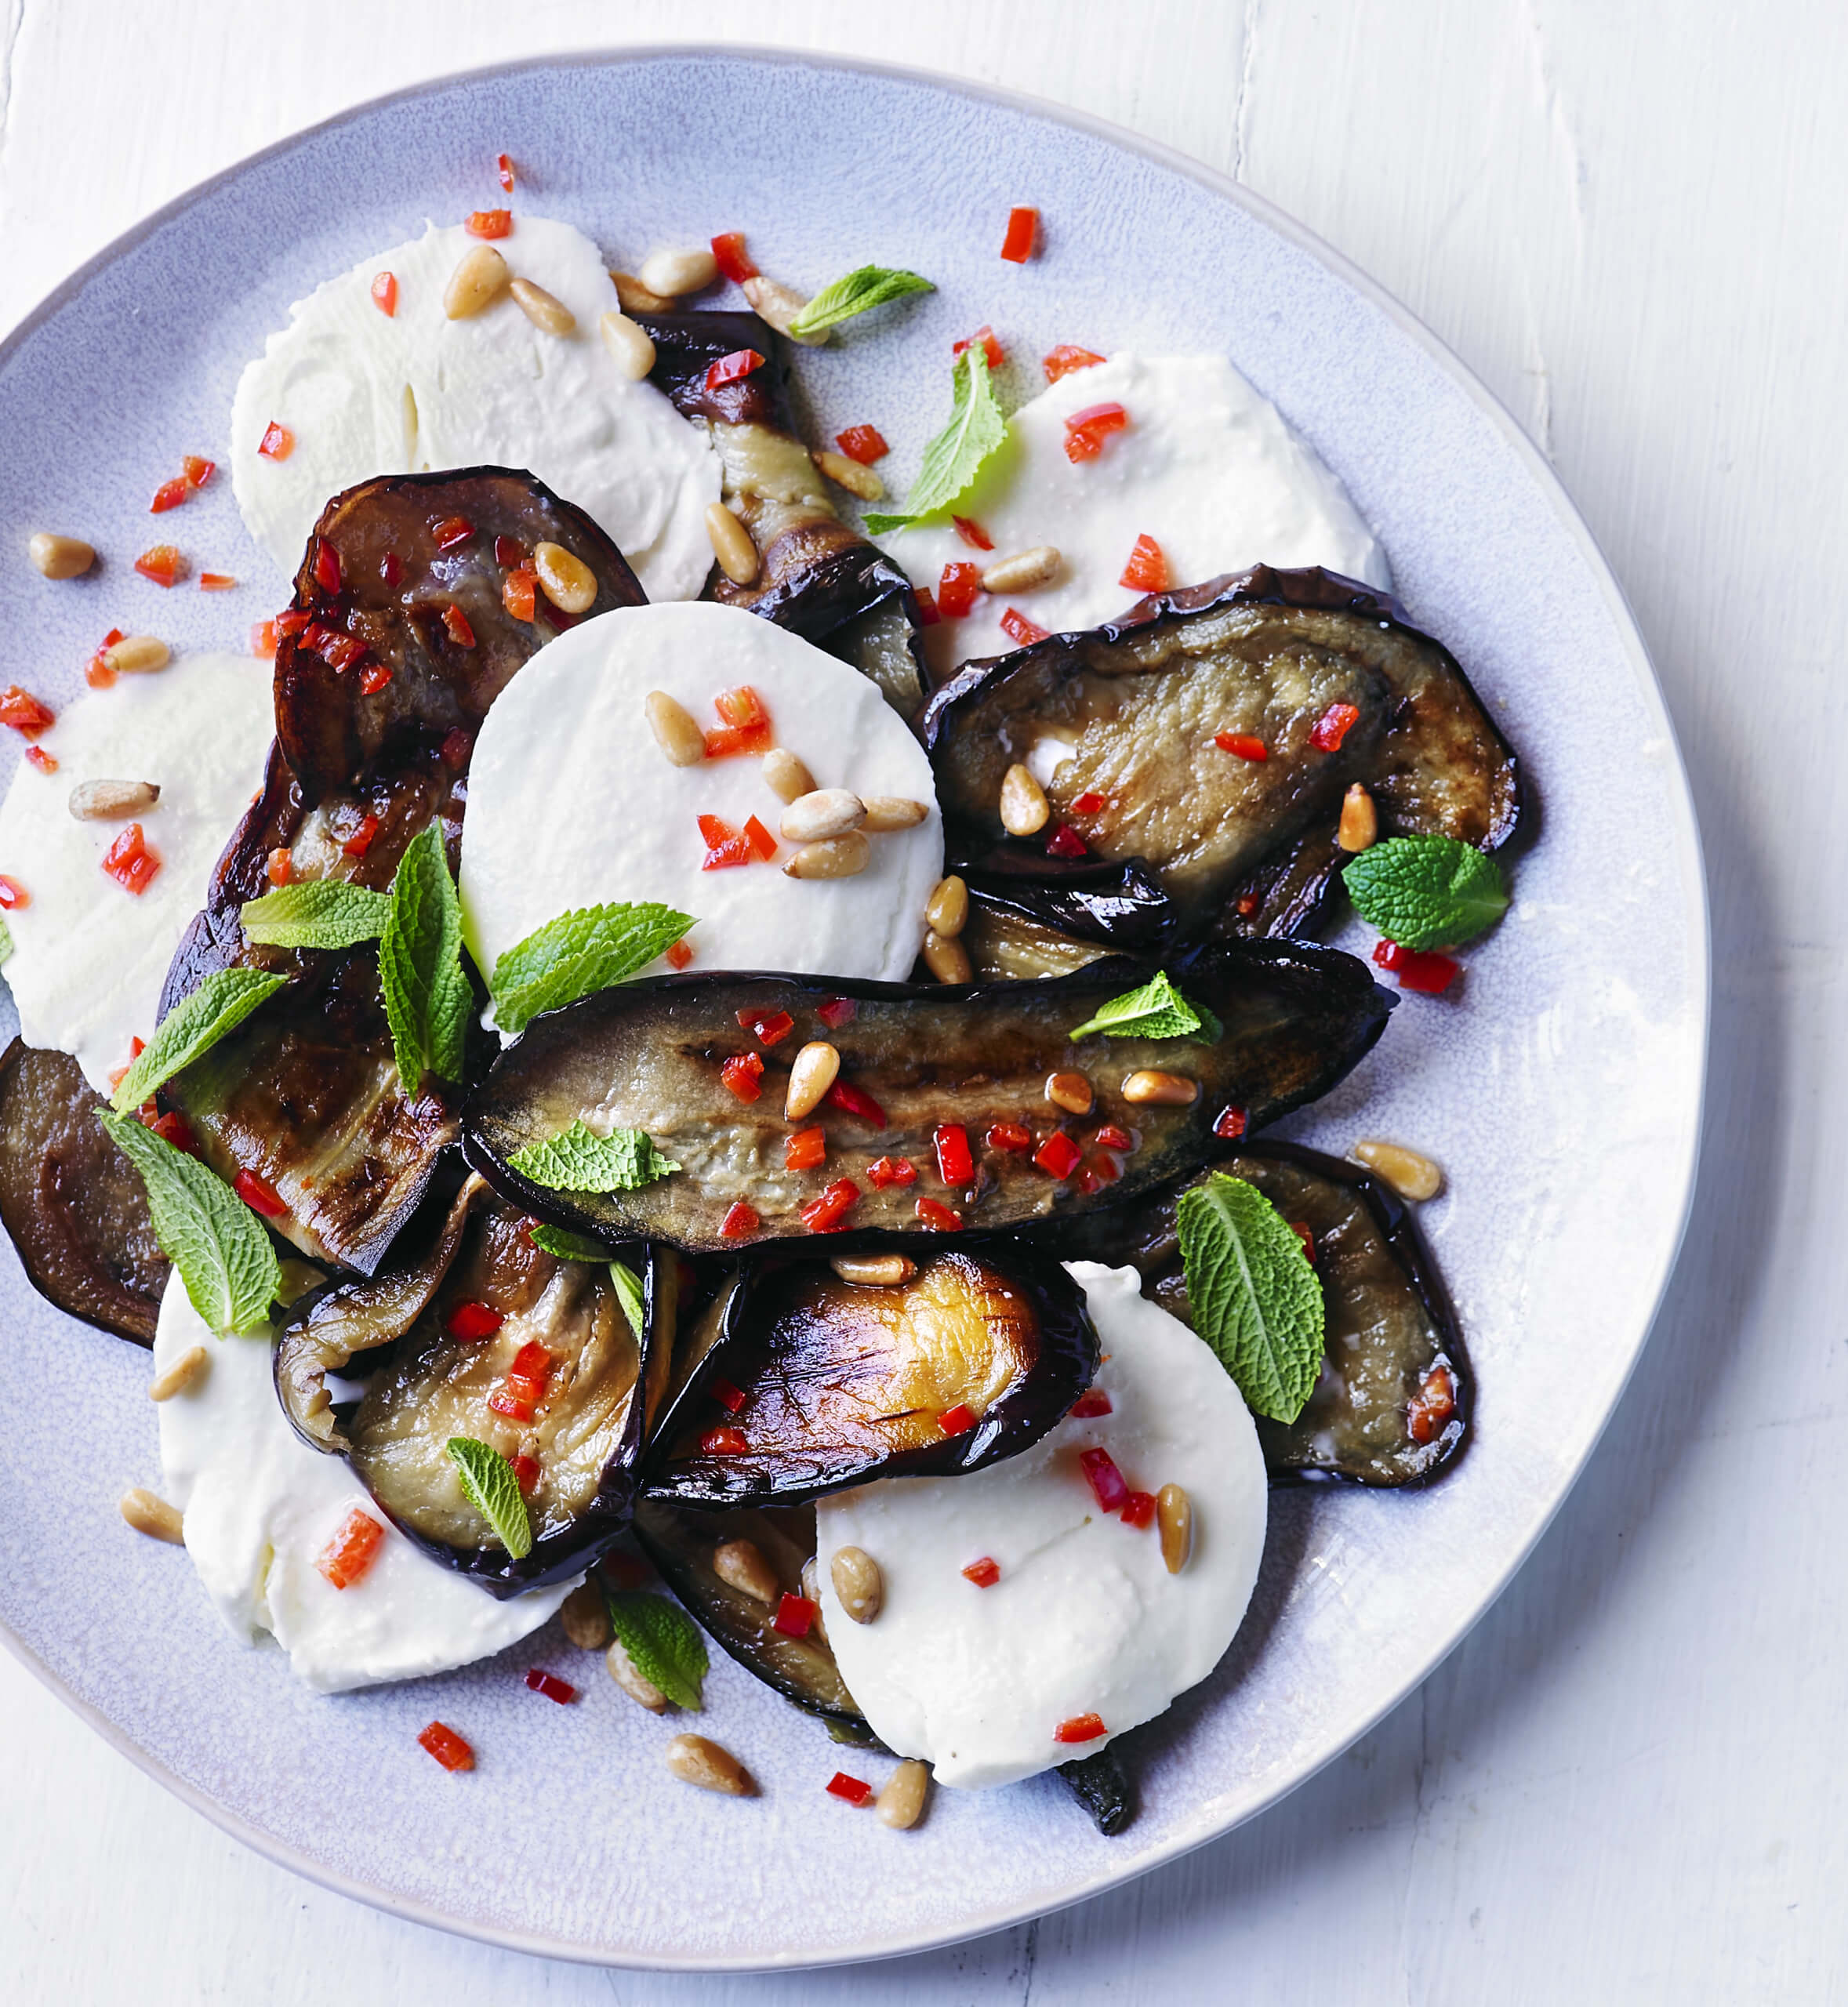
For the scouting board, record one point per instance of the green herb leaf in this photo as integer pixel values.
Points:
(954, 458)
(872, 285)
(1157, 1009)
(5, 941)
(321, 913)
(589, 949)
(490, 1486)
(1255, 1297)
(567, 1245)
(1427, 891)
(219, 1004)
(427, 996)
(629, 1293)
(218, 1244)
(663, 1644)
(580, 1160)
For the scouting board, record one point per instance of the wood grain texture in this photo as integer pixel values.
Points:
(1626, 220)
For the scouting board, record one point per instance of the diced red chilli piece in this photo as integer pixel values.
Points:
(551, 1685)
(739, 1221)
(1231, 1124)
(96, 672)
(723, 1443)
(374, 679)
(730, 1398)
(1241, 744)
(130, 862)
(1023, 230)
(447, 1747)
(1108, 1484)
(938, 1218)
(455, 624)
(956, 1164)
(1066, 358)
(1147, 569)
(1428, 974)
(23, 711)
(885, 1171)
(532, 1361)
(457, 746)
(293, 621)
(1112, 1137)
(825, 1214)
(278, 442)
(263, 638)
(163, 564)
(1138, 1508)
(984, 1573)
(217, 581)
(927, 614)
(1302, 1233)
(1008, 1136)
(795, 1615)
(1086, 430)
(990, 347)
(525, 1471)
(741, 707)
(733, 259)
(1436, 1403)
(806, 1149)
(349, 1553)
(854, 1790)
(724, 846)
(1091, 1179)
(760, 838)
(1088, 804)
(1079, 1728)
(864, 443)
(1064, 841)
(504, 1401)
(37, 757)
(1025, 632)
(744, 1075)
(1333, 726)
(1092, 1403)
(836, 1011)
(173, 1127)
(280, 867)
(730, 368)
(391, 570)
(678, 955)
(259, 1195)
(727, 741)
(451, 531)
(472, 1321)
(1058, 1155)
(503, 167)
(198, 471)
(555, 617)
(13, 894)
(509, 551)
(957, 1421)
(972, 533)
(767, 1027)
(384, 291)
(169, 494)
(958, 589)
(519, 592)
(489, 222)
(361, 841)
(856, 1101)
(327, 566)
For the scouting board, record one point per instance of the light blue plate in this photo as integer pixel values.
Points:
(1561, 1090)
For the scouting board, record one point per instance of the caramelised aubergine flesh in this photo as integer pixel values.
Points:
(1321, 680)
(1392, 1404)
(915, 1061)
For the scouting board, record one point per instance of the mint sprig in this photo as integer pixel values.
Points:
(1157, 1009)
(194, 1026)
(580, 1160)
(954, 458)
(591, 949)
(869, 286)
(427, 998)
(319, 913)
(225, 1258)
(568, 1246)
(5, 941)
(489, 1485)
(629, 1293)
(1254, 1296)
(1427, 891)
(663, 1644)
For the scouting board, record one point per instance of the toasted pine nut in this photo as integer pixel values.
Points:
(546, 311)
(851, 475)
(152, 1515)
(137, 654)
(633, 348)
(1071, 1091)
(1025, 572)
(811, 1075)
(948, 911)
(1174, 1514)
(585, 1618)
(811, 1588)
(568, 581)
(110, 801)
(1359, 825)
(946, 958)
(888, 812)
(1409, 1174)
(635, 298)
(731, 544)
(633, 1680)
(874, 1270)
(1024, 806)
(858, 1582)
(676, 272)
(779, 304)
(695, 1760)
(1163, 1090)
(789, 779)
(675, 731)
(838, 857)
(479, 279)
(901, 1802)
(180, 1375)
(829, 811)
(740, 1564)
(60, 556)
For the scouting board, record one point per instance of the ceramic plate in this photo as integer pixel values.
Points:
(1560, 1087)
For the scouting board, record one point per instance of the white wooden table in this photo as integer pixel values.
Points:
(1629, 221)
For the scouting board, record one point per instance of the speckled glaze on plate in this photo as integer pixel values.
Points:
(1560, 1087)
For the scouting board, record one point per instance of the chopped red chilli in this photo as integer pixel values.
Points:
(259, 1195)
(1023, 230)
(373, 678)
(731, 257)
(1079, 1728)
(990, 347)
(1086, 430)
(972, 533)
(760, 838)
(927, 614)
(1231, 1124)
(1138, 1508)
(361, 841)
(723, 1443)
(938, 1218)
(278, 442)
(1426, 974)
(489, 222)
(1241, 744)
(826, 1214)
(1112, 1138)
(854, 1790)
(173, 1127)
(856, 1101)
(525, 1471)
(472, 1321)
(519, 592)
(451, 531)
(163, 564)
(455, 625)
(1302, 1233)
(263, 638)
(837, 1011)
(217, 581)
(864, 443)
(884, 1171)
(766, 1026)
(1094, 1401)
(740, 1221)
(1008, 1136)
(1066, 358)
(984, 1573)
(955, 1163)
(957, 1421)
(169, 494)
(730, 368)
(958, 589)
(1107, 1482)
(349, 1553)
(551, 1685)
(1088, 803)
(130, 862)
(794, 1616)
(36, 755)
(385, 293)
(806, 1149)
(1058, 1155)
(1333, 726)
(281, 867)
(724, 846)
(503, 167)
(447, 1747)
(1147, 569)
(1018, 627)
(1064, 841)
(1436, 1403)
(24, 712)
(13, 895)
(456, 746)
(198, 471)
(744, 1075)
(327, 566)
(678, 956)
(728, 1397)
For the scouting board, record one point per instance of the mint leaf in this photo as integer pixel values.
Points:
(1253, 1297)
(194, 1026)
(663, 1643)
(1157, 1009)
(427, 1000)
(1427, 891)
(871, 285)
(589, 949)
(490, 1486)
(580, 1160)
(629, 1293)
(321, 913)
(954, 458)
(5, 941)
(567, 1245)
(218, 1244)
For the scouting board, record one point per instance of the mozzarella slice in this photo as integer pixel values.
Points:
(1085, 1618)
(572, 803)
(88, 958)
(364, 392)
(1207, 467)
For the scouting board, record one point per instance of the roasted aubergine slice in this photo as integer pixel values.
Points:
(816, 575)
(926, 1074)
(1321, 680)
(75, 1205)
(1025, 925)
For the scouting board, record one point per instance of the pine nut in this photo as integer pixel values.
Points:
(946, 959)
(851, 475)
(569, 582)
(1409, 1174)
(1161, 1090)
(546, 311)
(585, 1618)
(740, 1564)
(948, 911)
(152, 1515)
(633, 348)
(888, 812)
(675, 732)
(1024, 806)
(112, 801)
(695, 1760)
(789, 779)
(137, 655)
(60, 556)
(476, 283)
(874, 1270)
(779, 304)
(1025, 572)
(811, 1588)
(858, 1582)
(634, 1682)
(180, 1375)
(829, 811)
(901, 1802)
(811, 1075)
(635, 298)
(1071, 1091)
(731, 544)
(676, 272)
(839, 857)
(1359, 825)
(1174, 1514)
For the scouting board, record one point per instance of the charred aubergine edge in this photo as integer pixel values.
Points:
(925, 1072)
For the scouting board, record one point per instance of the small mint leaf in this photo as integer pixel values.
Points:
(1157, 1009)
(580, 1160)
(589, 949)
(663, 1644)
(629, 1293)
(6, 942)
(871, 285)
(490, 1486)
(427, 1000)
(194, 1026)
(954, 458)
(319, 913)
(1427, 891)
(568, 1246)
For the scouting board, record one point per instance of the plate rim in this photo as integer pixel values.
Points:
(1699, 920)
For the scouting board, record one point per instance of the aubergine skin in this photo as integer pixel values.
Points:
(1025, 925)
(648, 1055)
(74, 1205)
